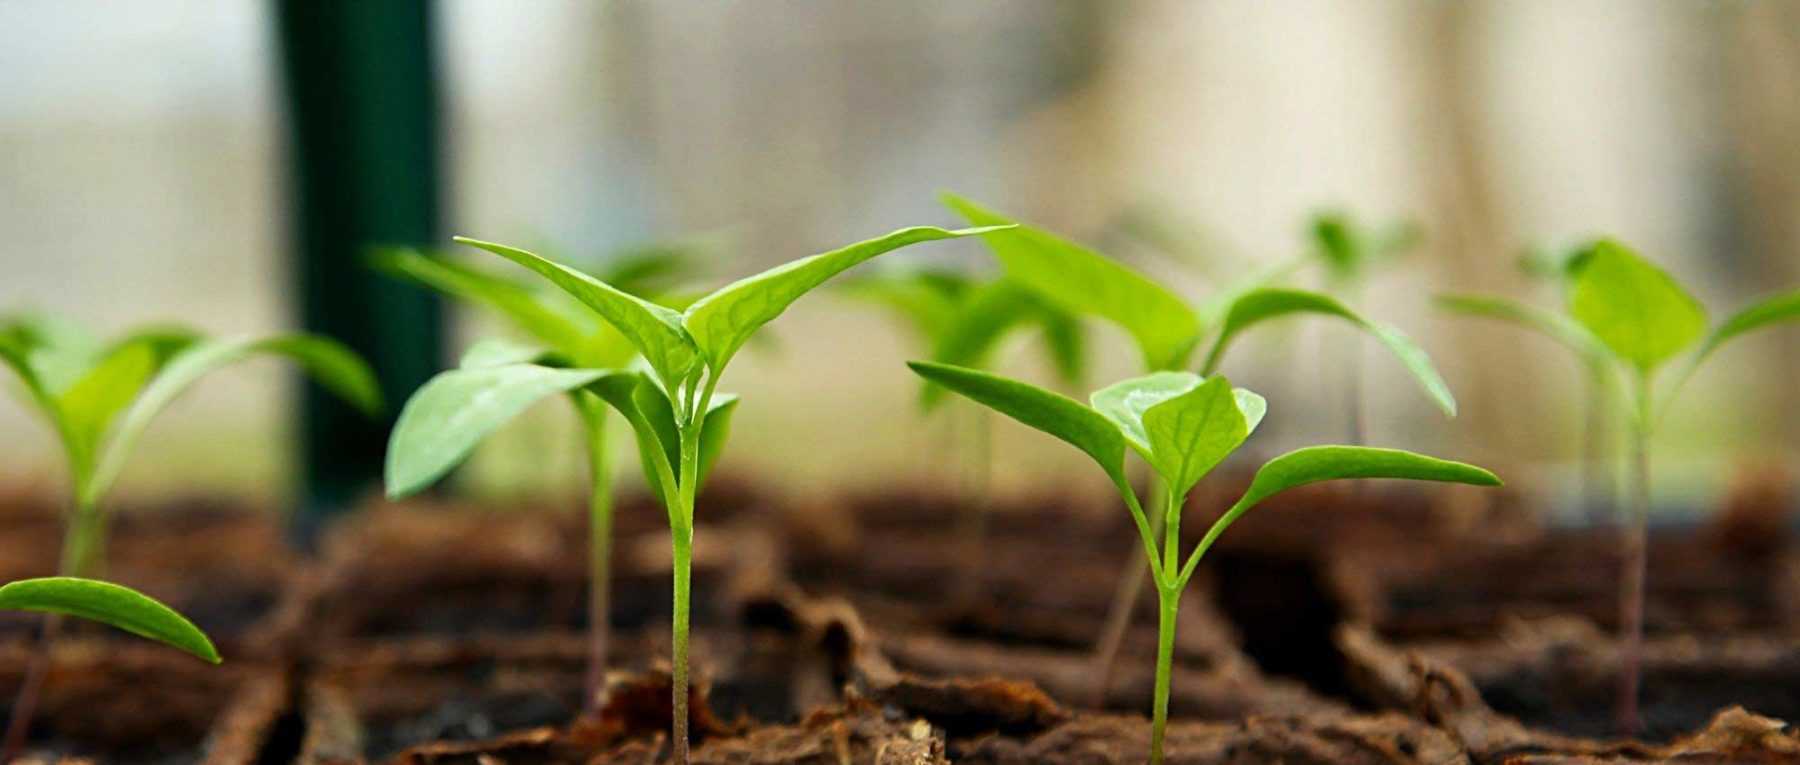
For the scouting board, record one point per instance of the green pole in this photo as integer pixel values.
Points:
(362, 162)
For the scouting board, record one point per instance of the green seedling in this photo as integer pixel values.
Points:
(1351, 253)
(1640, 319)
(1556, 267)
(99, 398)
(669, 396)
(960, 320)
(1167, 331)
(455, 410)
(110, 604)
(1182, 425)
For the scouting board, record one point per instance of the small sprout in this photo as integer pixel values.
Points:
(1182, 425)
(680, 422)
(1627, 319)
(498, 380)
(111, 604)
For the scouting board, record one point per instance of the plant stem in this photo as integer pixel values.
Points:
(678, 681)
(81, 556)
(1636, 563)
(1169, 599)
(600, 522)
(1124, 606)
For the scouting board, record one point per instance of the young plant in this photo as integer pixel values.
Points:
(1641, 319)
(1182, 425)
(1351, 252)
(99, 398)
(496, 382)
(1166, 331)
(960, 320)
(1596, 362)
(669, 397)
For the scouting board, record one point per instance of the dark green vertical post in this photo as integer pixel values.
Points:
(362, 118)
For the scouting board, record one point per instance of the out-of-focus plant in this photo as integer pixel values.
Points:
(669, 396)
(1351, 253)
(1637, 318)
(99, 397)
(1182, 425)
(497, 381)
(1167, 331)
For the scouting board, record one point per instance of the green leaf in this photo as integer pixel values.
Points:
(1555, 326)
(112, 604)
(89, 406)
(654, 330)
(1338, 242)
(1058, 415)
(1085, 282)
(722, 321)
(15, 353)
(1260, 305)
(1192, 433)
(1635, 308)
(453, 411)
(1770, 310)
(525, 308)
(1124, 403)
(652, 418)
(334, 366)
(1326, 463)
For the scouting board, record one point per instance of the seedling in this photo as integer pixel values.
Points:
(1557, 267)
(442, 416)
(1182, 425)
(1166, 331)
(99, 398)
(1351, 253)
(1640, 319)
(669, 398)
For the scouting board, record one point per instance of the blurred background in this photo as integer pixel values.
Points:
(223, 163)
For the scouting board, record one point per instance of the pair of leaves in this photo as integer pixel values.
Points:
(713, 328)
(112, 604)
(101, 399)
(1184, 425)
(453, 411)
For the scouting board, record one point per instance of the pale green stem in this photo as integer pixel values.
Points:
(600, 522)
(682, 536)
(1169, 599)
(1636, 560)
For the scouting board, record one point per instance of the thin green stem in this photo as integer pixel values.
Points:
(1129, 588)
(600, 522)
(678, 681)
(1636, 558)
(1169, 600)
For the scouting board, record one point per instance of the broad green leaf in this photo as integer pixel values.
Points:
(1192, 433)
(1085, 282)
(89, 406)
(1058, 415)
(1260, 305)
(1124, 403)
(494, 352)
(721, 322)
(334, 366)
(1326, 463)
(1635, 308)
(1771, 310)
(654, 330)
(1555, 326)
(453, 411)
(522, 306)
(111, 604)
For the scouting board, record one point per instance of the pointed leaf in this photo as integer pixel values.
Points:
(1060, 416)
(1326, 463)
(89, 406)
(112, 604)
(16, 356)
(494, 352)
(1260, 305)
(334, 366)
(453, 411)
(1192, 433)
(654, 330)
(1635, 308)
(1770, 310)
(1555, 326)
(977, 325)
(1085, 282)
(721, 322)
